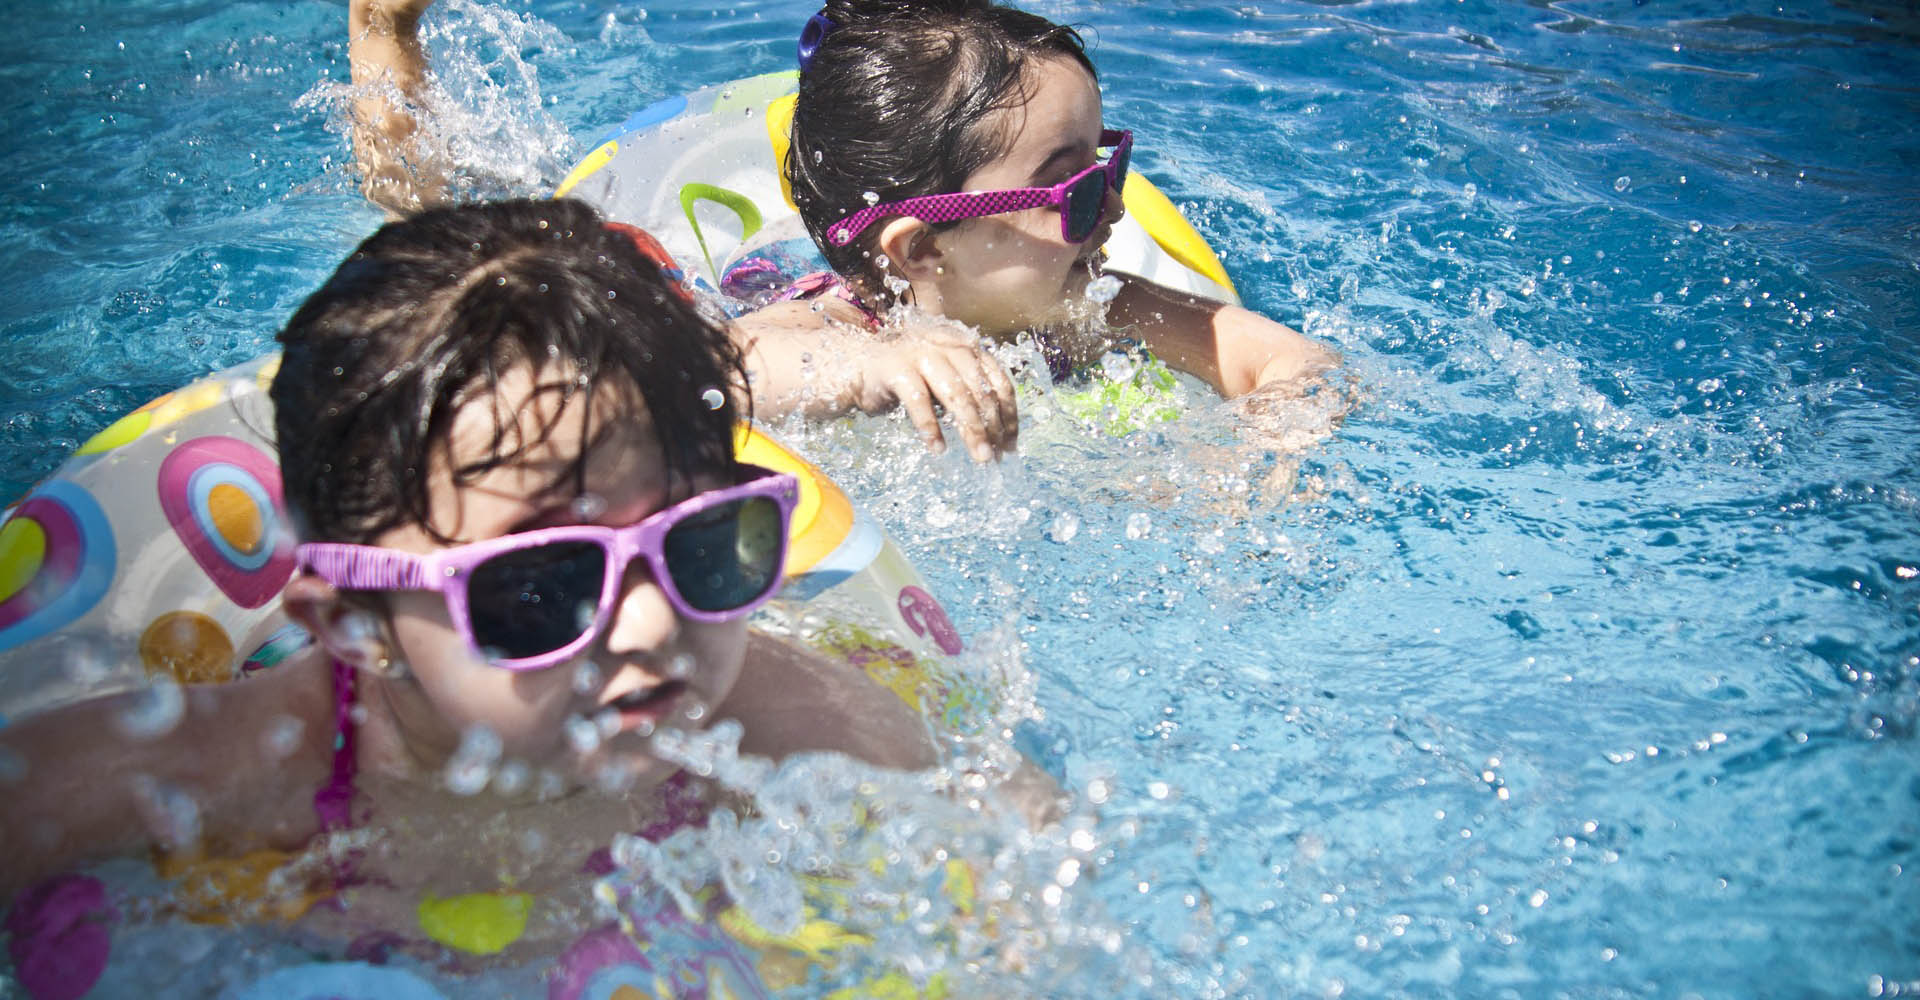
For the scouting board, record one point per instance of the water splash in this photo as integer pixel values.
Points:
(472, 765)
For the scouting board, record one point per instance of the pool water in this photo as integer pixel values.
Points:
(1582, 659)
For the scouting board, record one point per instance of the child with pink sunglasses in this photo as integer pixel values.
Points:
(952, 155)
(947, 155)
(525, 529)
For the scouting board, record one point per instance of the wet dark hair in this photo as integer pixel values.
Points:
(435, 310)
(894, 100)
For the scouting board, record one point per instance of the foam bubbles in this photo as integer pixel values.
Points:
(472, 765)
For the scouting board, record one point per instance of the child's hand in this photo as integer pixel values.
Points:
(951, 371)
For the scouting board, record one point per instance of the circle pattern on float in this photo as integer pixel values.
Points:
(57, 560)
(222, 497)
(189, 646)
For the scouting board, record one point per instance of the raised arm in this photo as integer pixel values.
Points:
(389, 63)
(824, 364)
(1233, 349)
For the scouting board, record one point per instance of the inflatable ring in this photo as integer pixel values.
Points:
(701, 171)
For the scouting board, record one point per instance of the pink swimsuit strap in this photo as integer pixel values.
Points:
(822, 282)
(333, 802)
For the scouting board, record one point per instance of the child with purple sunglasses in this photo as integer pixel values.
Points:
(524, 526)
(947, 155)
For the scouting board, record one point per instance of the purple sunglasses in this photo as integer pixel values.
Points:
(1082, 199)
(538, 598)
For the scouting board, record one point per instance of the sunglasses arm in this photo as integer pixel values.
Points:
(944, 208)
(364, 567)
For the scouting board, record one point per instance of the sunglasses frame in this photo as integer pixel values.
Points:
(447, 571)
(975, 204)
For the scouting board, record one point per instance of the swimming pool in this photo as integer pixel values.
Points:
(1580, 661)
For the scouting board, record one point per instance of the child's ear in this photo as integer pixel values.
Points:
(348, 631)
(911, 250)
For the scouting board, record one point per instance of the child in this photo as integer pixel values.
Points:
(528, 545)
(900, 104)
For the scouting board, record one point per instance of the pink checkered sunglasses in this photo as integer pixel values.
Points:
(538, 598)
(1081, 199)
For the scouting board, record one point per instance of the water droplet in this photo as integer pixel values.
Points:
(282, 736)
(471, 766)
(583, 735)
(173, 814)
(586, 678)
(714, 398)
(1139, 525)
(1103, 289)
(1066, 525)
(870, 197)
(681, 667)
(13, 767)
(1622, 183)
(1117, 366)
(1694, 225)
(1470, 190)
(154, 711)
(512, 779)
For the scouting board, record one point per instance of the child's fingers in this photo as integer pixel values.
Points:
(955, 392)
(1000, 395)
(910, 390)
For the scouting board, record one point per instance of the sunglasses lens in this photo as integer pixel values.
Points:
(1086, 202)
(533, 601)
(1121, 161)
(729, 556)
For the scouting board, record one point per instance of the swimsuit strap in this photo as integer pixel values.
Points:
(827, 281)
(1059, 365)
(332, 803)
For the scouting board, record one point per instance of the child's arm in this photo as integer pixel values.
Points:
(1234, 350)
(385, 55)
(792, 700)
(239, 766)
(824, 364)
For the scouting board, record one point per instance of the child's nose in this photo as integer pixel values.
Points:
(644, 618)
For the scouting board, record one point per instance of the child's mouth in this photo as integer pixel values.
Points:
(643, 709)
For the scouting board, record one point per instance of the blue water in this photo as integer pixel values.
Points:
(1580, 661)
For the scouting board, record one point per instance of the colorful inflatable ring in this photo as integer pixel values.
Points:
(701, 171)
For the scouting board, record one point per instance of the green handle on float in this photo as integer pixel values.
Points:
(739, 204)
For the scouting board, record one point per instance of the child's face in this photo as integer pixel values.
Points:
(1011, 272)
(650, 666)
